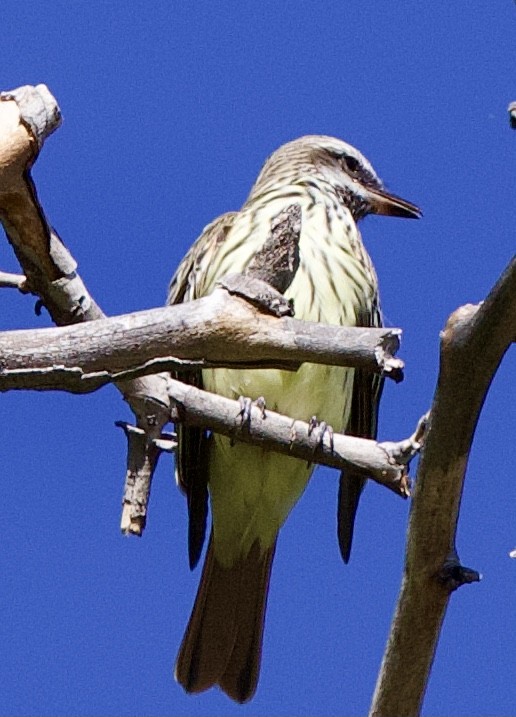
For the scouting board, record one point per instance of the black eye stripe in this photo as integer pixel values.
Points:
(352, 164)
(353, 167)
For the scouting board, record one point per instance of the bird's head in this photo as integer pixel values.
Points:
(347, 171)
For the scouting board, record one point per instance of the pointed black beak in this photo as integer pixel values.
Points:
(382, 202)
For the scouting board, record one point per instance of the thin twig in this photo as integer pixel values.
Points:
(13, 281)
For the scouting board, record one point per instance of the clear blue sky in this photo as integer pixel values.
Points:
(169, 110)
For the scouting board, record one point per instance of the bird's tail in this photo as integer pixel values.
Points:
(223, 640)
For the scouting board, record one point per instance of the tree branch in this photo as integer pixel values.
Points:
(218, 330)
(27, 116)
(386, 463)
(472, 345)
(13, 281)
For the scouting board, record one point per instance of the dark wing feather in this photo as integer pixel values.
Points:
(192, 455)
(363, 422)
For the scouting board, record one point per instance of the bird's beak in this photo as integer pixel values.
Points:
(384, 203)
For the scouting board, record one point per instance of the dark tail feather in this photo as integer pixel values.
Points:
(350, 489)
(197, 494)
(223, 640)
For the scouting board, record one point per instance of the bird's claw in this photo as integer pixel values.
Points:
(319, 429)
(260, 403)
(244, 414)
(246, 405)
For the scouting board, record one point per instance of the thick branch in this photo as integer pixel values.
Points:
(385, 463)
(472, 346)
(219, 330)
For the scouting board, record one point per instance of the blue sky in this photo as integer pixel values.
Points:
(169, 110)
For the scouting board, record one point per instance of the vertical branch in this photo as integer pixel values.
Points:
(472, 345)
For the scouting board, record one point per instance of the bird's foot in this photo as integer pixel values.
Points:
(244, 413)
(319, 429)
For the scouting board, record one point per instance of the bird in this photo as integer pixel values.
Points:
(251, 490)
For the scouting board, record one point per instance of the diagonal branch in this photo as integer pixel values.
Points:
(386, 463)
(27, 116)
(472, 346)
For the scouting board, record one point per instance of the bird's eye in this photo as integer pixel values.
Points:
(351, 163)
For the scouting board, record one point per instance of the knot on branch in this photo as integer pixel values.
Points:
(400, 453)
(457, 325)
(453, 575)
(259, 293)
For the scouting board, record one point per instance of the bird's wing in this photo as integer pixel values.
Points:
(363, 421)
(192, 454)
(184, 285)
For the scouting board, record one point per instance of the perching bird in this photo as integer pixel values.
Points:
(253, 490)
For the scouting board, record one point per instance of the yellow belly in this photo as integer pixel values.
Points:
(253, 490)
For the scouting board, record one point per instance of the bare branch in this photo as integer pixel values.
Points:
(385, 463)
(472, 345)
(13, 281)
(142, 459)
(27, 116)
(218, 330)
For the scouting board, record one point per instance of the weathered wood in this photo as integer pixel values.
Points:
(218, 330)
(386, 463)
(472, 345)
(28, 116)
